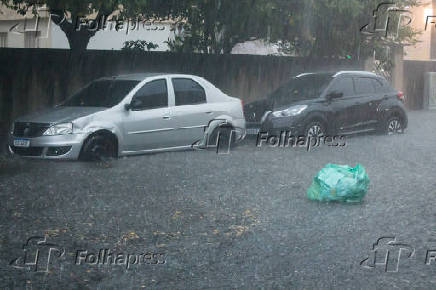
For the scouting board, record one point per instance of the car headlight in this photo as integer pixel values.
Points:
(12, 128)
(292, 111)
(59, 129)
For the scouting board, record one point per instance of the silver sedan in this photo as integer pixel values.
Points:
(126, 115)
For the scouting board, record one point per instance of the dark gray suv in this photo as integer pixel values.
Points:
(314, 104)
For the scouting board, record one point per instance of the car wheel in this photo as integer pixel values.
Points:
(225, 138)
(315, 129)
(7, 152)
(98, 148)
(394, 125)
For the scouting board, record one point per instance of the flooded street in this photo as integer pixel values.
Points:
(226, 221)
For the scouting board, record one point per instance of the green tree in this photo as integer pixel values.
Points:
(331, 28)
(215, 26)
(69, 14)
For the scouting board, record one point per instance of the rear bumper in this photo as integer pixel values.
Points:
(50, 147)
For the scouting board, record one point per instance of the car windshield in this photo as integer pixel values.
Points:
(300, 88)
(101, 93)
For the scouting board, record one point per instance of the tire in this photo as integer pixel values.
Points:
(98, 148)
(6, 152)
(225, 133)
(394, 125)
(315, 129)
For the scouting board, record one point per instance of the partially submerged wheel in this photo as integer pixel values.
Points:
(98, 148)
(222, 138)
(315, 129)
(394, 125)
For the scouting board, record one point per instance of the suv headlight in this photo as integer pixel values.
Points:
(12, 128)
(292, 111)
(59, 129)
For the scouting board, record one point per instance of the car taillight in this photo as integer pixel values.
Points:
(242, 104)
(400, 96)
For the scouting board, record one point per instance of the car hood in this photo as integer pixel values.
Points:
(296, 102)
(255, 110)
(59, 114)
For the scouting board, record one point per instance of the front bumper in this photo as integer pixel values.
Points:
(50, 147)
(276, 125)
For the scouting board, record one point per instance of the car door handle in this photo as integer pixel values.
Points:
(166, 117)
(209, 113)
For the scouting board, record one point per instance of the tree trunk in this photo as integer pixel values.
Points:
(78, 36)
(78, 40)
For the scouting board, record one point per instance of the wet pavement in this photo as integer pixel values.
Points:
(199, 220)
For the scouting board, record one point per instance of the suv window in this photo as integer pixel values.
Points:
(344, 85)
(386, 87)
(152, 95)
(378, 85)
(188, 92)
(304, 87)
(364, 86)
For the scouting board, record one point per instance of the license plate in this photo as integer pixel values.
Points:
(253, 131)
(22, 143)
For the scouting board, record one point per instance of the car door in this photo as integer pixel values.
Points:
(191, 112)
(366, 93)
(343, 109)
(374, 101)
(148, 124)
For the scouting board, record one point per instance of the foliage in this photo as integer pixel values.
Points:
(139, 45)
(322, 28)
(66, 13)
(216, 26)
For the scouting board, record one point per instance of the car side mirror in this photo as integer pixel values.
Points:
(335, 95)
(134, 104)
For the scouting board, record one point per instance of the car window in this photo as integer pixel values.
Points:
(152, 95)
(343, 85)
(364, 86)
(188, 92)
(378, 85)
(305, 87)
(383, 86)
(101, 93)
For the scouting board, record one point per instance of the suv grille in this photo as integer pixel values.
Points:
(23, 129)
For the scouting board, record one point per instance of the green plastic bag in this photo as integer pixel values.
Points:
(339, 183)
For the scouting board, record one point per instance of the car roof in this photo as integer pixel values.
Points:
(142, 76)
(337, 73)
(357, 72)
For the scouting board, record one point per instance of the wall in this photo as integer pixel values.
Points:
(414, 78)
(31, 79)
(112, 39)
(16, 37)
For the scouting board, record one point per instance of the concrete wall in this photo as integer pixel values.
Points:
(31, 79)
(414, 79)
